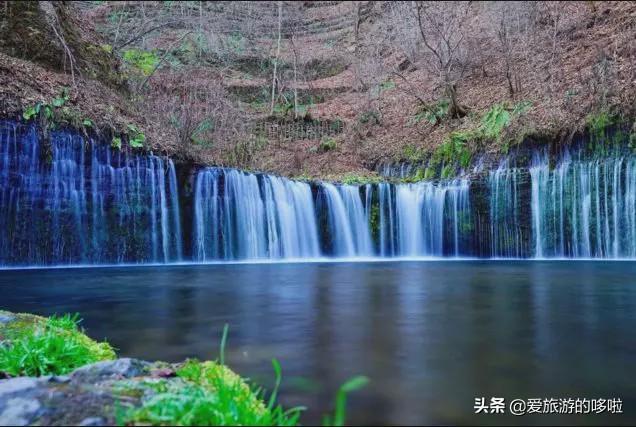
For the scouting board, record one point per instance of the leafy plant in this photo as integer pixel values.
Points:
(61, 100)
(31, 111)
(236, 43)
(521, 107)
(46, 109)
(412, 154)
(389, 84)
(356, 179)
(494, 122)
(433, 114)
(136, 138)
(116, 143)
(197, 135)
(597, 124)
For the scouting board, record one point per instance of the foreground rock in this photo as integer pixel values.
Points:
(85, 397)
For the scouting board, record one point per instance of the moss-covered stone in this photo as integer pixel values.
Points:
(35, 345)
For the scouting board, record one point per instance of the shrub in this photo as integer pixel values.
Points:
(327, 144)
(369, 117)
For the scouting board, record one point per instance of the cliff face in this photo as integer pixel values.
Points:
(329, 90)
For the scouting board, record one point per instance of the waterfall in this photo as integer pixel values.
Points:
(83, 202)
(506, 234)
(339, 222)
(273, 217)
(74, 200)
(239, 215)
(386, 214)
(584, 208)
(348, 219)
(426, 213)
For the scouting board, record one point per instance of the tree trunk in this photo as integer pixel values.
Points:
(280, 17)
(456, 109)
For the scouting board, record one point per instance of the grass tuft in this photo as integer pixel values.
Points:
(211, 394)
(53, 346)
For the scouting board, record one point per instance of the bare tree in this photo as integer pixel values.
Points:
(512, 23)
(553, 12)
(442, 29)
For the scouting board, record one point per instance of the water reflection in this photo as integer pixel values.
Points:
(432, 336)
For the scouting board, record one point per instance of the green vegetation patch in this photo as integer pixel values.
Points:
(433, 114)
(206, 393)
(597, 124)
(36, 346)
(457, 148)
(351, 178)
(143, 60)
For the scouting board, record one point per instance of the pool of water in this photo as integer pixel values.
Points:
(432, 336)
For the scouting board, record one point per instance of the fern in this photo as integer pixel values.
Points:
(494, 122)
(116, 143)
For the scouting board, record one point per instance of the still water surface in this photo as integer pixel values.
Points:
(431, 336)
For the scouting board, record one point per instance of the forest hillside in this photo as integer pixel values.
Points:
(323, 89)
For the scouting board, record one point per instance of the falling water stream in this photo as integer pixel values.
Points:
(82, 202)
(72, 200)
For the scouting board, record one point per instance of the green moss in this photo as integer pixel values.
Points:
(420, 175)
(448, 171)
(429, 173)
(35, 346)
(141, 60)
(413, 154)
(632, 139)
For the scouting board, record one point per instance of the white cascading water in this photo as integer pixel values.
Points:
(339, 222)
(244, 216)
(239, 215)
(426, 213)
(77, 201)
(86, 204)
(506, 235)
(584, 208)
